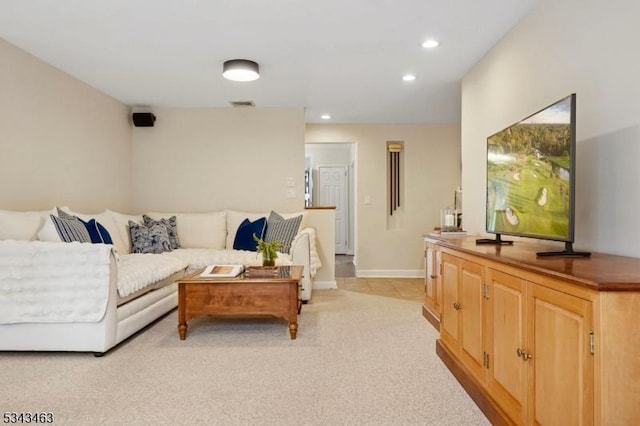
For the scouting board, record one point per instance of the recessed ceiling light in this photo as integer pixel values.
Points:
(325, 117)
(430, 44)
(408, 77)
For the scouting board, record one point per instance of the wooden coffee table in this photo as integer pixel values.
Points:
(240, 296)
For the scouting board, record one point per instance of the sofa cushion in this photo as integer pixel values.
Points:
(281, 229)
(152, 239)
(16, 225)
(199, 230)
(172, 228)
(244, 236)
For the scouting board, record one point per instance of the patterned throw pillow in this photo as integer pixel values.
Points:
(281, 229)
(70, 228)
(172, 228)
(244, 237)
(152, 239)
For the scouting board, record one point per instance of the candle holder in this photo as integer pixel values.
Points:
(448, 220)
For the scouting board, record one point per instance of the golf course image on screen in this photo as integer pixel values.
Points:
(529, 175)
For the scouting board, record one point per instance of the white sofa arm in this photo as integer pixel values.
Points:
(301, 255)
(45, 282)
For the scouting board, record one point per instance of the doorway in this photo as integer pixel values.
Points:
(338, 161)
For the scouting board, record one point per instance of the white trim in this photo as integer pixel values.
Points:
(324, 285)
(390, 273)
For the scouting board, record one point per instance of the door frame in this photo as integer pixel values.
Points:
(352, 232)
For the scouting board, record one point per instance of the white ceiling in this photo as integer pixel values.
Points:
(342, 57)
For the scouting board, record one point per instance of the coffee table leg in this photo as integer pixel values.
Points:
(182, 311)
(182, 330)
(293, 329)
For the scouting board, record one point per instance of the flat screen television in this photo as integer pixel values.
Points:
(531, 178)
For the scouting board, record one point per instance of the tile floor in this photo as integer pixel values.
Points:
(399, 288)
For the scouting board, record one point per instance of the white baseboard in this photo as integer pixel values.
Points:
(324, 285)
(390, 273)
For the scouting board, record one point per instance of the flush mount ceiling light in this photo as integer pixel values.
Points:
(408, 77)
(326, 116)
(430, 44)
(240, 70)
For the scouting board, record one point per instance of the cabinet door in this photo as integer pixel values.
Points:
(449, 332)
(505, 336)
(430, 277)
(560, 381)
(438, 280)
(472, 317)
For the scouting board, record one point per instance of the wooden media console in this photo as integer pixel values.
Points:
(537, 340)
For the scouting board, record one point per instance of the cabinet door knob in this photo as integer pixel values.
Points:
(456, 306)
(433, 277)
(519, 352)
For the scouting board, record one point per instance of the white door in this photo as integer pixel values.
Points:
(333, 192)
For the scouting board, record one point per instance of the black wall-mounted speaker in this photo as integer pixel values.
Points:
(143, 119)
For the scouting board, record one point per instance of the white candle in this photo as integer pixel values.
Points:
(448, 220)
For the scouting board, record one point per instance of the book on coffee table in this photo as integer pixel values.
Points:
(222, 271)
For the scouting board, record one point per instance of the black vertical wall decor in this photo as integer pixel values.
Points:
(394, 149)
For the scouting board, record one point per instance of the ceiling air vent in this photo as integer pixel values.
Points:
(242, 103)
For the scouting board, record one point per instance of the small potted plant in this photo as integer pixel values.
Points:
(269, 250)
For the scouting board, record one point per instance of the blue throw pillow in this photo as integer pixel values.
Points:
(244, 237)
(97, 232)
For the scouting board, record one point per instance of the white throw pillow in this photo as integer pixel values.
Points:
(121, 222)
(48, 232)
(19, 225)
(199, 230)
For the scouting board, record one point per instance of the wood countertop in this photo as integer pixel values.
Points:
(600, 271)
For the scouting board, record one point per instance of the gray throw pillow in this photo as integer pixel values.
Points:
(152, 239)
(70, 228)
(172, 228)
(281, 229)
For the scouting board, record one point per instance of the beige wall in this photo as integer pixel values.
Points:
(561, 48)
(213, 159)
(62, 142)
(432, 172)
(196, 160)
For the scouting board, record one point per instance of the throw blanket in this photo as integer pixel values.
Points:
(314, 257)
(53, 282)
(137, 271)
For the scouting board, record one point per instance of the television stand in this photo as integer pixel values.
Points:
(567, 252)
(497, 241)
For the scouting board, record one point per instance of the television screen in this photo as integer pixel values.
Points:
(530, 175)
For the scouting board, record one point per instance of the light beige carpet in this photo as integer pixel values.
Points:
(358, 359)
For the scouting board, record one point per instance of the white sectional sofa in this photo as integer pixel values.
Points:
(57, 296)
